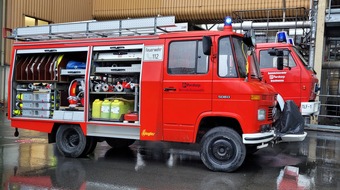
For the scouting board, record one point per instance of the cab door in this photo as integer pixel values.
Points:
(187, 86)
(287, 82)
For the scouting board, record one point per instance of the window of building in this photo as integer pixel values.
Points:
(186, 57)
(30, 21)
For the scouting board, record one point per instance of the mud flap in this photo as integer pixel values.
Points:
(290, 126)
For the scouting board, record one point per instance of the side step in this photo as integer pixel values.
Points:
(123, 132)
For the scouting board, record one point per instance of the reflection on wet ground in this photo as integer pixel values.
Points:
(28, 162)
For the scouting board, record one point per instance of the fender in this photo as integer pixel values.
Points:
(280, 101)
(216, 114)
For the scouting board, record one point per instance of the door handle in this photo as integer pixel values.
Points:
(169, 89)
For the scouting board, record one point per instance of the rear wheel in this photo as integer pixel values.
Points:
(91, 143)
(222, 149)
(119, 143)
(71, 141)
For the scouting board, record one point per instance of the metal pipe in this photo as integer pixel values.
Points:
(329, 9)
(313, 34)
(247, 25)
(331, 65)
(2, 25)
(2, 48)
(284, 10)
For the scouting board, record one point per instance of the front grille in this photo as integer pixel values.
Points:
(270, 113)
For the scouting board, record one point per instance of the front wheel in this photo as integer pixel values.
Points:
(222, 149)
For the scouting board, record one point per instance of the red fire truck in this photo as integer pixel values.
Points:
(294, 79)
(121, 84)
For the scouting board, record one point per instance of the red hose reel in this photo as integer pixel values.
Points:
(76, 92)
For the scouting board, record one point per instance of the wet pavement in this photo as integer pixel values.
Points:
(29, 162)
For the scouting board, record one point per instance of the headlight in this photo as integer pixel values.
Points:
(261, 114)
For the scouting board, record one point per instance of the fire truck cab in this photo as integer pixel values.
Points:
(190, 87)
(285, 68)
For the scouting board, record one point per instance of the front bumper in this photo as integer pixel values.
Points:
(291, 137)
(258, 138)
(266, 137)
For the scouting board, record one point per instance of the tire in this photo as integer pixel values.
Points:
(71, 141)
(119, 143)
(222, 150)
(91, 145)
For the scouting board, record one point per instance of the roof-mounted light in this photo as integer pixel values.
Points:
(228, 21)
(291, 41)
(228, 24)
(282, 37)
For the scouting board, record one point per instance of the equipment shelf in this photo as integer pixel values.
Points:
(117, 93)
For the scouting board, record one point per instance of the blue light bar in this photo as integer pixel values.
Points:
(228, 21)
(281, 37)
(291, 41)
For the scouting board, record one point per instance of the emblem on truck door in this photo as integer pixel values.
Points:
(277, 76)
(191, 87)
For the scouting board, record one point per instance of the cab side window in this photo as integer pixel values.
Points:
(268, 61)
(186, 57)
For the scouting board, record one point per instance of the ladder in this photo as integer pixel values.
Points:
(91, 29)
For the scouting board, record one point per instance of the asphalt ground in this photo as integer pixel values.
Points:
(29, 162)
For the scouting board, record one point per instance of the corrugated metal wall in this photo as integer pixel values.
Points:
(185, 10)
(51, 10)
(55, 11)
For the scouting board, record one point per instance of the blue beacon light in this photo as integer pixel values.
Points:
(281, 37)
(227, 24)
(228, 21)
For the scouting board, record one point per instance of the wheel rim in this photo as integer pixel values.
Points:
(222, 150)
(71, 138)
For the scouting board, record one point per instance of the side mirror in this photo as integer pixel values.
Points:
(272, 52)
(275, 52)
(279, 54)
(207, 42)
(249, 39)
(279, 63)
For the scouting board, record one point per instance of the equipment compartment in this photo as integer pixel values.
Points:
(114, 83)
(46, 64)
(34, 100)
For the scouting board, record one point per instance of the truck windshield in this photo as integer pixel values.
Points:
(302, 59)
(241, 55)
(255, 67)
(232, 64)
(242, 52)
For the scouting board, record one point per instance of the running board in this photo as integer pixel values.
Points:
(113, 131)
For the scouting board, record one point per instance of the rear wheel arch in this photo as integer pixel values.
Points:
(53, 133)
